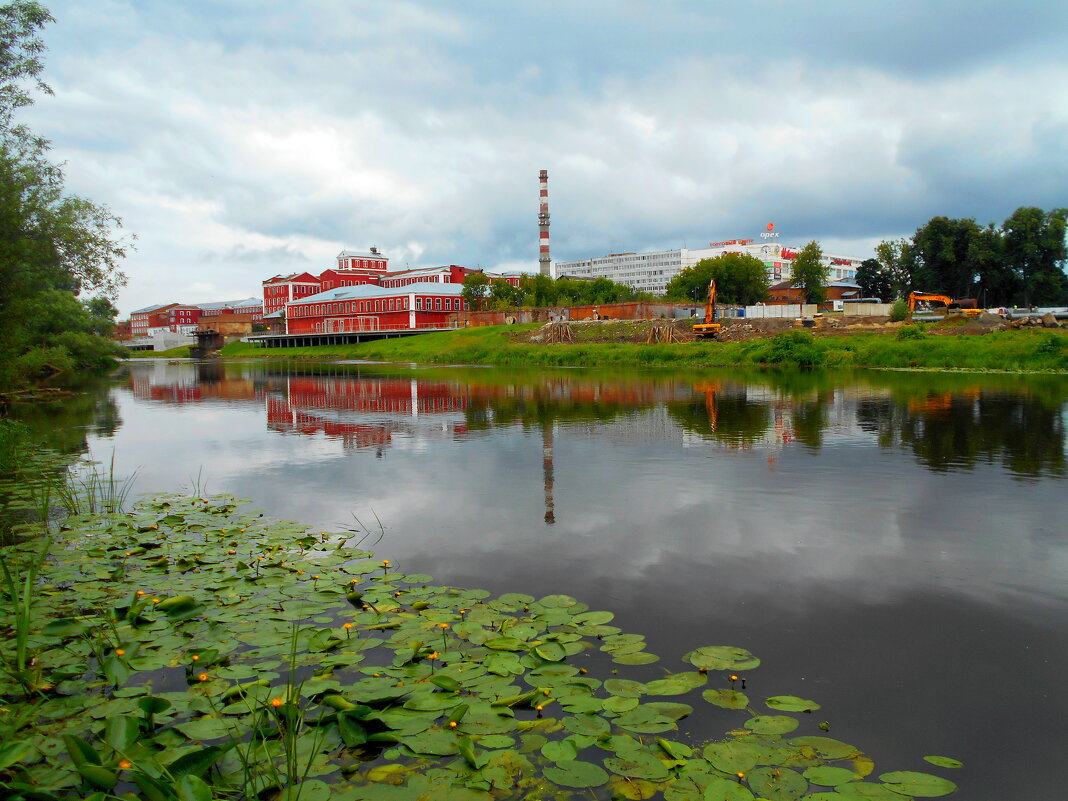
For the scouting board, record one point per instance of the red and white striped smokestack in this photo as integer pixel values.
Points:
(544, 260)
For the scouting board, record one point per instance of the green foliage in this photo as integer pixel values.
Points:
(810, 274)
(55, 246)
(297, 665)
(476, 291)
(899, 310)
(791, 347)
(874, 280)
(1020, 263)
(915, 331)
(740, 278)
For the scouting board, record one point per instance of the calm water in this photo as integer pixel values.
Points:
(892, 545)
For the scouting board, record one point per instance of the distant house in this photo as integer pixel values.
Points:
(147, 321)
(785, 292)
(368, 307)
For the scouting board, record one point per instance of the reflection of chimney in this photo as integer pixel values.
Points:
(547, 470)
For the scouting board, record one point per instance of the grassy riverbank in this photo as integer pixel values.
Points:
(191, 649)
(910, 347)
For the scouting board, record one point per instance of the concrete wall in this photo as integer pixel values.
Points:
(604, 311)
(866, 309)
(788, 310)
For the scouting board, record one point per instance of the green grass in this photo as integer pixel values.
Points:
(1015, 351)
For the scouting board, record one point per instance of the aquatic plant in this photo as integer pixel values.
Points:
(191, 650)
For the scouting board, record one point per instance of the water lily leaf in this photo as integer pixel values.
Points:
(557, 601)
(577, 704)
(670, 709)
(829, 776)
(550, 651)
(352, 731)
(206, 728)
(593, 618)
(677, 683)
(631, 789)
(924, 785)
(722, 657)
(638, 658)
(826, 747)
(434, 742)
(867, 791)
(728, 699)
(777, 784)
(732, 757)
(506, 644)
(576, 774)
(720, 789)
(560, 751)
(638, 765)
(64, 627)
(791, 703)
(771, 724)
(944, 761)
(591, 725)
(644, 720)
(625, 688)
(617, 704)
(81, 753)
(192, 788)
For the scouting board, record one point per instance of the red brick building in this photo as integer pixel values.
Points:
(145, 322)
(367, 307)
(785, 292)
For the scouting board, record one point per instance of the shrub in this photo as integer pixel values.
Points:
(899, 310)
(792, 347)
(912, 332)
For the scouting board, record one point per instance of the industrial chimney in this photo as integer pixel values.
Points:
(544, 260)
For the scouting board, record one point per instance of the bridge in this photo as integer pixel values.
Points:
(341, 337)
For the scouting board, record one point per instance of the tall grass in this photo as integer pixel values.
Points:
(1031, 351)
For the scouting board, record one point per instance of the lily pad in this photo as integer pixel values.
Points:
(722, 657)
(944, 761)
(728, 699)
(923, 785)
(791, 703)
(576, 774)
(777, 784)
(771, 724)
(829, 776)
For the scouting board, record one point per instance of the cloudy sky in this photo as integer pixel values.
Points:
(242, 138)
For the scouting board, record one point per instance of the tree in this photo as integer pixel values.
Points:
(898, 260)
(53, 246)
(946, 250)
(1035, 251)
(810, 274)
(873, 280)
(476, 290)
(740, 278)
(503, 295)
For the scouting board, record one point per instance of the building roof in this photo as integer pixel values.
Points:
(361, 254)
(157, 307)
(230, 304)
(364, 291)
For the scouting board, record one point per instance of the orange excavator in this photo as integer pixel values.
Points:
(709, 328)
(965, 306)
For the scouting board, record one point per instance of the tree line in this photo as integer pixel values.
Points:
(59, 253)
(1020, 262)
(541, 291)
(742, 279)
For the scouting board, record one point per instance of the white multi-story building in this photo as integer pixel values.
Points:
(651, 271)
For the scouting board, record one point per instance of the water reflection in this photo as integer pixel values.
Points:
(947, 423)
(868, 535)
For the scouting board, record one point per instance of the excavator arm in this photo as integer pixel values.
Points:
(709, 328)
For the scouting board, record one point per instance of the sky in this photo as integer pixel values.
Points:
(240, 139)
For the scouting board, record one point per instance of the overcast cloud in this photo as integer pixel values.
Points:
(242, 138)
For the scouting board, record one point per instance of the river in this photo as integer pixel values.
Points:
(891, 545)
